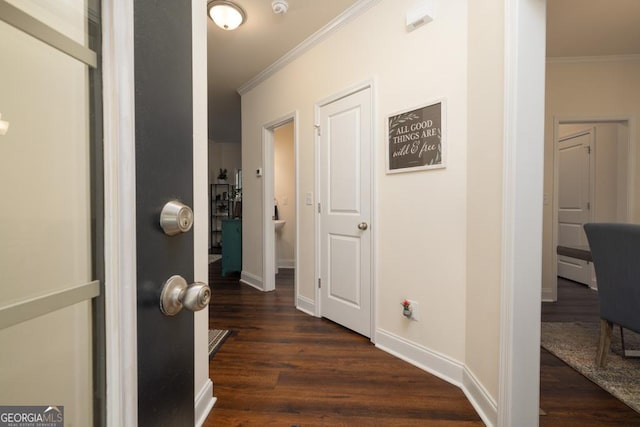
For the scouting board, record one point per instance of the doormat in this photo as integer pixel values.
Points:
(216, 338)
(575, 343)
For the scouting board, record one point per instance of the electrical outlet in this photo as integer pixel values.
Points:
(415, 310)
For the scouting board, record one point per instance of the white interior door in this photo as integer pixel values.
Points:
(345, 211)
(574, 205)
(47, 277)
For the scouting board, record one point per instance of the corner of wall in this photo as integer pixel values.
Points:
(443, 367)
(422, 357)
(252, 280)
(306, 305)
(480, 399)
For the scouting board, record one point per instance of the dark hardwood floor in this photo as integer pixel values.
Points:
(576, 303)
(282, 367)
(569, 398)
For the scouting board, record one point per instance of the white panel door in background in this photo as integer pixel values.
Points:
(345, 197)
(574, 205)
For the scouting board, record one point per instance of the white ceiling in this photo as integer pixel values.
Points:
(574, 28)
(235, 57)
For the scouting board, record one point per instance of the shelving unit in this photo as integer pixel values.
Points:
(220, 205)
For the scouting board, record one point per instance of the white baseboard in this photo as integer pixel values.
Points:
(204, 403)
(286, 263)
(442, 367)
(547, 295)
(306, 305)
(251, 280)
(480, 399)
(428, 360)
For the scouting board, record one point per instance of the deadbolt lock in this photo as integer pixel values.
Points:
(176, 218)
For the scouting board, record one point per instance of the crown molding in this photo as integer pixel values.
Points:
(582, 59)
(355, 10)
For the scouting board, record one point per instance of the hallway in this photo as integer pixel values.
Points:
(282, 367)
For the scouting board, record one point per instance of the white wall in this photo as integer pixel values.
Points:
(587, 88)
(421, 217)
(484, 192)
(284, 191)
(225, 155)
(438, 233)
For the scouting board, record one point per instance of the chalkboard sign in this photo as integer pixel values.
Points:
(416, 139)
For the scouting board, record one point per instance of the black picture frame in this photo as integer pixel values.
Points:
(416, 138)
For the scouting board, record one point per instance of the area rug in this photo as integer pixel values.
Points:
(575, 343)
(216, 339)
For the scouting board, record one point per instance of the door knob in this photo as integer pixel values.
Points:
(363, 226)
(176, 294)
(176, 218)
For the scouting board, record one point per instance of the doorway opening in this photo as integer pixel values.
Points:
(592, 163)
(590, 155)
(280, 178)
(225, 191)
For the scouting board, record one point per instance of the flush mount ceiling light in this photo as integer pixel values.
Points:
(226, 14)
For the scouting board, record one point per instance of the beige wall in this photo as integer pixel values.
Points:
(421, 217)
(284, 191)
(438, 232)
(586, 89)
(484, 191)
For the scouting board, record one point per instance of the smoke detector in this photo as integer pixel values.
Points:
(279, 7)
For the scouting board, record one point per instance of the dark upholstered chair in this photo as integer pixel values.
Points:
(616, 257)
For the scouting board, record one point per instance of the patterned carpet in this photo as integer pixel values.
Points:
(576, 343)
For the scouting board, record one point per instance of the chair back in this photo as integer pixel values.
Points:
(615, 249)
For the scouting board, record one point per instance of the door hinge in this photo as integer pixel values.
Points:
(588, 206)
(319, 208)
(318, 129)
(319, 283)
(588, 149)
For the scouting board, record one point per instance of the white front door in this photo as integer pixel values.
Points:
(345, 210)
(574, 205)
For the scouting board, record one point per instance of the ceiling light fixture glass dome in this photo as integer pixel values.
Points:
(226, 14)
